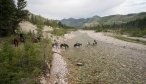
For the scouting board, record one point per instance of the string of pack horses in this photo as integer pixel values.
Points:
(20, 38)
(76, 45)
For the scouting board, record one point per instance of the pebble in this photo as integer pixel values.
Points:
(79, 64)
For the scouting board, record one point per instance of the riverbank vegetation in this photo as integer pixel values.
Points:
(135, 28)
(23, 64)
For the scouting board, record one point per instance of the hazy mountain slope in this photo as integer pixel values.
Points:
(96, 20)
(73, 22)
(118, 19)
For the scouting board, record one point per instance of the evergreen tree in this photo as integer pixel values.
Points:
(7, 15)
(21, 14)
(11, 15)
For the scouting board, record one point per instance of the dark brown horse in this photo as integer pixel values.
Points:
(55, 45)
(36, 39)
(16, 41)
(77, 45)
(95, 42)
(64, 45)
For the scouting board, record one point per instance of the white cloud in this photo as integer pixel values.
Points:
(59, 9)
(129, 6)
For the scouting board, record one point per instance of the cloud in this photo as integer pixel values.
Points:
(59, 9)
(129, 6)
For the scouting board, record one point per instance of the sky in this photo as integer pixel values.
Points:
(61, 9)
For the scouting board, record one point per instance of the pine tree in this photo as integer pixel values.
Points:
(11, 15)
(7, 14)
(21, 14)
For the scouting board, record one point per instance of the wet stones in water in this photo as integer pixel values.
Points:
(79, 64)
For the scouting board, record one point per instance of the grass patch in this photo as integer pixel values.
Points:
(59, 31)
(134, 32)
(130, 40)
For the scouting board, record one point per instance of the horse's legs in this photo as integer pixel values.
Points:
(53, 45)
(17, 43)
(60, 46)
(66, 46)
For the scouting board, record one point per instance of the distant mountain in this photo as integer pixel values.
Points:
(74, 22)
(107, 20)
(78, 23)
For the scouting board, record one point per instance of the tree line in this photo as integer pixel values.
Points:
(35, 19)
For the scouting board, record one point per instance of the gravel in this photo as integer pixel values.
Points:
(111, 40)
(112, 61)
(59, 71)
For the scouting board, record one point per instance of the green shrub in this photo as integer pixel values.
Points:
(59, 32)
(22, 64)
(99, 30)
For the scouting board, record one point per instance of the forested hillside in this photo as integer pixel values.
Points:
(107, 20)
(131, 24)
(35, 19)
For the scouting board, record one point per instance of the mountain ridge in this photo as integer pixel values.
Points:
(106, 20)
